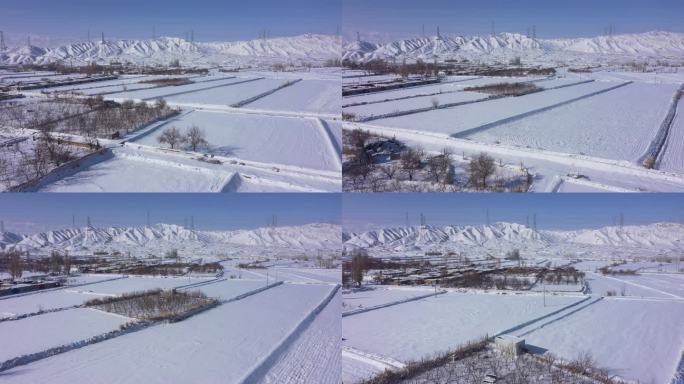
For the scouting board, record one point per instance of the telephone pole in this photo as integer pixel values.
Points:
(3, 47)
(103, 40)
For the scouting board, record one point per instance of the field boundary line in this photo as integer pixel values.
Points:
(390, 304)
(530, 322)
(264, 94)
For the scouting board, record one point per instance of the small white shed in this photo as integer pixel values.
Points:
(510, 344)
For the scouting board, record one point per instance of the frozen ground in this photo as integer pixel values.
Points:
(224, 344)
(168, 92)
(634, 339)
(258, 138)
(616, 125)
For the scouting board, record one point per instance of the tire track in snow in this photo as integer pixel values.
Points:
(332, 144)
(261, 368)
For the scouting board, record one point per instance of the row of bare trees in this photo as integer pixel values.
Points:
(194, 138)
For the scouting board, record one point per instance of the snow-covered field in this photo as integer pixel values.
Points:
(467, 117)
(615, 125)
(634, 339)
(258, 138)
(77, 295)
(418, 329)
(316, 96)
(255, 338)
(38, 333)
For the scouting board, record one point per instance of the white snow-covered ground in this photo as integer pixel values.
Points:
(618, 124)
(459, 119)
(634, 339)
(38, 333)
(367, 110)
(418, 329)
(316, 355)
(381, 295)
(228, 95)
(224, 344)
(275, 140)
(316, 96)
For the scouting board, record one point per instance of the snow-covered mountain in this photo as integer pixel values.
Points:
(164, 236)
(649, 44)
(303, 48)
(507, 235)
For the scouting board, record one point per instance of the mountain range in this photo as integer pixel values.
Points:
(507, 235)
(297, 49)
(649, 44)
(164, 236)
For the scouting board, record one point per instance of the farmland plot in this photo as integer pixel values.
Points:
(316, 96)
(224, 344)
(463, 118)
(165, 92)
(225, 96)
(634, 339)
(422, 328)
(39, 333)
(258, 138)
(618, 125)
(413, 103)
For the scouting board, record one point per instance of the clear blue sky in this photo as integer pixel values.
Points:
(554, 211)
(34, 212)
(576, 18)
(210, 19)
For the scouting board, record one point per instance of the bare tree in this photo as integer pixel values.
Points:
(411, 161)
(480, 168)
(15, 266)
(196, 137)
(389, 171)
(171, 136)
(359, 265)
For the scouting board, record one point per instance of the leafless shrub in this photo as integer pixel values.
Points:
(153, 304)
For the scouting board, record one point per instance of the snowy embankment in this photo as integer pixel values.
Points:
(389, 304)
(670, 155)
(543, 163)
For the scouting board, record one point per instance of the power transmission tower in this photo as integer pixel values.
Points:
(622, 220)
(73, 221)
(423, 30)
(148, 218)
(154, 32)
(534, 222)
(407, 220)
(185, 222)
(89, 35)
(439, 35)
(192, 36)
(487, 216)
(28, 41)
(88, 221)
(493, 29)
(527, 222)
(527, 34)
(358, 36)
(103, 40)
(3, 47)
(534, 32)
(2, 226)
(192, 223)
